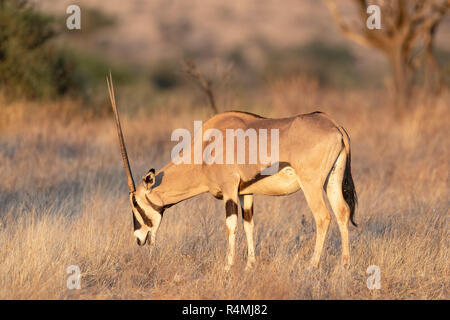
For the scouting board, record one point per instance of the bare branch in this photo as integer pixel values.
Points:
(346, 30)
(406, 37)
(190, 68)
(374, 38)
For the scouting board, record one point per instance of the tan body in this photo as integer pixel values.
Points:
(312, 151)
(314, 155)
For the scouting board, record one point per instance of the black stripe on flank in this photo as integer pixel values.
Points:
(231, 208)
(259, 176)
(155, 207)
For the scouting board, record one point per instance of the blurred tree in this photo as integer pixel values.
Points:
(406, 38)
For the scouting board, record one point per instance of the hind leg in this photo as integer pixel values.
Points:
(338, 204)
(315, 198)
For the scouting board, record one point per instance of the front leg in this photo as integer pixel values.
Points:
(231, 209)
(247, 215)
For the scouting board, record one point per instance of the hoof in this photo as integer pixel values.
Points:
(346, 263)
(249, 266)
(313, 266)
(310, 269)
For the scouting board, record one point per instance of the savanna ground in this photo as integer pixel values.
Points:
(64, 201)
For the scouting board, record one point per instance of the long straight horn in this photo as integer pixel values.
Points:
(123, 149)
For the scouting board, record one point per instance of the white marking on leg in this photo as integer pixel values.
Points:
(299, 183)
(339, 206)
(231, 222)
(248, 228)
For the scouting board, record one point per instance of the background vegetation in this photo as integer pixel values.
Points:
(63, 196)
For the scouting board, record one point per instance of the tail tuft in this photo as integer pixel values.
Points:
(348, 189)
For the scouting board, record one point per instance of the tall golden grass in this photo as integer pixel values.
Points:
(63, 201)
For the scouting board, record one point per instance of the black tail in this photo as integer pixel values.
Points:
(348, 189)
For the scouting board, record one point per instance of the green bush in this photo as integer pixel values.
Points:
(331, 64)
(29, 66)
(165, 75)
(33, 66)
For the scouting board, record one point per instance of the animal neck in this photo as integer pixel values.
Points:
(180, 182)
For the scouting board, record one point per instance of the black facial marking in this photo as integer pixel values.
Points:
(136, 224)
(141, 211)
(137, 206)
(159, 209)
(231, 208)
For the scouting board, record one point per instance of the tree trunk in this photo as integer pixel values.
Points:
(401, 79)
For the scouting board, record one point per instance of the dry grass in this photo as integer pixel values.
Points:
(63, 201)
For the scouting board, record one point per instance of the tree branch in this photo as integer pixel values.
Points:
(190, 68)
(367, 38)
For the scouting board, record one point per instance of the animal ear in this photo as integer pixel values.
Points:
(149, 179)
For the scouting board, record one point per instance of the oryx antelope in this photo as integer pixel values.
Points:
(314, 155)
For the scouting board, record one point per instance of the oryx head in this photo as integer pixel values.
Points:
(146, 205)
